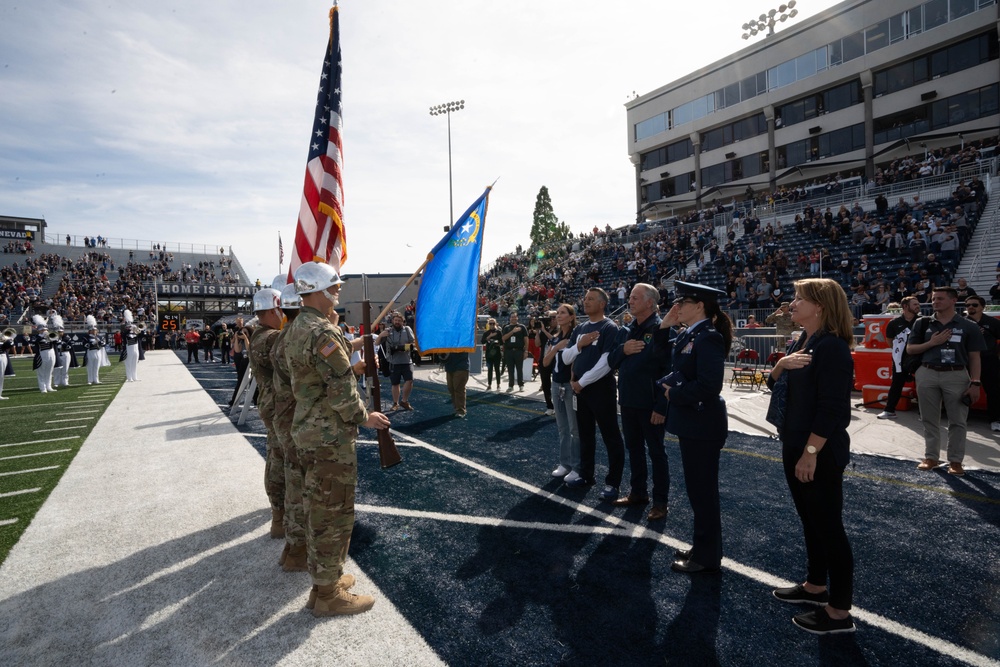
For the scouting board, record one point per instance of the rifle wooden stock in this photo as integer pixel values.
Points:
(388, 454)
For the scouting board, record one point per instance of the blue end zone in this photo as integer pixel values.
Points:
(501, 565)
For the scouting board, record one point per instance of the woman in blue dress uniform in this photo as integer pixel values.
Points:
(696, 412)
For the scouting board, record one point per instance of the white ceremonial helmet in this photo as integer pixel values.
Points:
(266, 299)
(315, 277)
(290, 300)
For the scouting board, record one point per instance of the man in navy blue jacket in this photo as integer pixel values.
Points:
(643, 407)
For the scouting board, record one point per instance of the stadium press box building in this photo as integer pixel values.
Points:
(860, 84)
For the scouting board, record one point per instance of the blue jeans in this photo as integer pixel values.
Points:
(569, 434)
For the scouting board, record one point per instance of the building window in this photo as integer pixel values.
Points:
(949, 60)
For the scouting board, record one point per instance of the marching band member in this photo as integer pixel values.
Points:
(63, 349)
(130, 351)
(6, 345)
(45, 357)
(94, 346)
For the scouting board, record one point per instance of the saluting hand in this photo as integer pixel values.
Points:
(794, 361)
(633, 346)
(672, 318)
(941, 337)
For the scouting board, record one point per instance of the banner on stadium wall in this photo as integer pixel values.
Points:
(199, 290)
(17, 234)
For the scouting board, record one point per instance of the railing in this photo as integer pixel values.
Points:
(985, 243)
(74, 240)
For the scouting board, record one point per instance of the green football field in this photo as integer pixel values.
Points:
(39, 436)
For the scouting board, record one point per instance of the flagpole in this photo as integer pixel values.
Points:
(392, 301)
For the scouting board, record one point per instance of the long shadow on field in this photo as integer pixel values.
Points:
(193, 600)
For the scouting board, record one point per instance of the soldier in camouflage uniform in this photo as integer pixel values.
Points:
(293, 558)
(328, 412)
(266, 306)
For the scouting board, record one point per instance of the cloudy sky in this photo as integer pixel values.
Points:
(183, 121)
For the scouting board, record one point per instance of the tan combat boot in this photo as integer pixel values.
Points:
(335, 600)
(277, 524)
(296, 560)
(345, 581)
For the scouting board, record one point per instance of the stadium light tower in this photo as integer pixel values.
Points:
(447, 108)
(768, 20)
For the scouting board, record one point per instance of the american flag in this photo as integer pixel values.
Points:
(281, 251)
(320, 235)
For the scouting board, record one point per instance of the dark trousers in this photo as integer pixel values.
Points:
(514, 361)
(596, 407)
(193, 352)
(491, 366)
(545, 372)
(990, 371)
(208, 354)
(701, 477)
(820, 504)
(896, 389)
(241, 361)
(641, 435)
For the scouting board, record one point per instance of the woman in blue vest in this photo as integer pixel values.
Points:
(696, 412)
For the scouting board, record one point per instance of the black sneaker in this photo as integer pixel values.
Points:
(819, 622)
(799, 595)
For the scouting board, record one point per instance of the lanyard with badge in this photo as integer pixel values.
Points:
(948, 352)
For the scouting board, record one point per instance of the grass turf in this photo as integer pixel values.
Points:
(53, 438)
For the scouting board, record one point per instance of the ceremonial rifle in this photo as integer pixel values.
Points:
(388, 455)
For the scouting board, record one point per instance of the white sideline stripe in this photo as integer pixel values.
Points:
(24, 456)
(7, 522)
(81, 402)
(77, 419)
(77, 412)
(41, 442)
(21, 492)
(936, 644)
(490, 521)
(61, 428)
(30, 470)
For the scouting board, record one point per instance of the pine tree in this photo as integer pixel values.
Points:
(545, 226)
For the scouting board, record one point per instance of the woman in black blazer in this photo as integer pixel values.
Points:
(819, 373)
(696, 412)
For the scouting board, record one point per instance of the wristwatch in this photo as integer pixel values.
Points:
(976, 383)
(812, 450)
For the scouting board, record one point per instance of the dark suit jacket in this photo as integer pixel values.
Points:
(696, 408)
(819, 398)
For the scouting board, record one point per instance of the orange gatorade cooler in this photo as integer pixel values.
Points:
(872, 367)
(875, 331)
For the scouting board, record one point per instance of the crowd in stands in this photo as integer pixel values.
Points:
(94, 285)
(878, 255)
(21, 284)
(18, 248)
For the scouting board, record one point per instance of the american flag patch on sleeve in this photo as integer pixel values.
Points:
(328, 349)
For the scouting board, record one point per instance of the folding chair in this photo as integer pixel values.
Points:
(765, 371)
(746, 369)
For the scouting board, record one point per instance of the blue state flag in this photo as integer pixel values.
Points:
(449, 290)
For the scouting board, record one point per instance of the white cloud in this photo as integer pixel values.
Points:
(188, 121)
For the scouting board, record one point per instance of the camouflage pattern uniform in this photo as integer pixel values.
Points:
(284, 411)
(328, 411)
(259, 355)
(784, 327)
